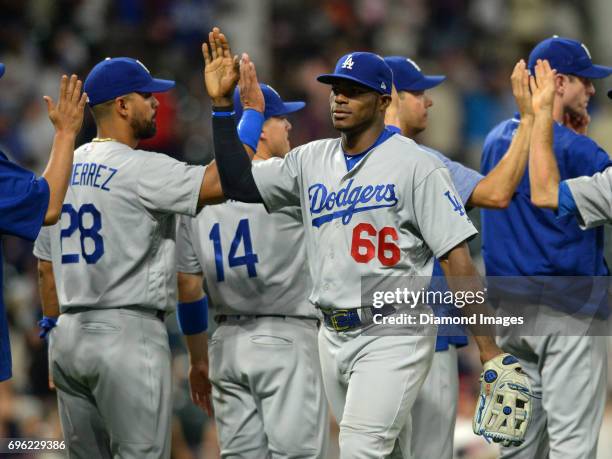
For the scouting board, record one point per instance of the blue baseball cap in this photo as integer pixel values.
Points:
(275, 106)
(407, 75)
(367, 69)
(2, 68)
(567, 56)
(119, 76)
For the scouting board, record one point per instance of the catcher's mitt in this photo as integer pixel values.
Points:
(503, 411)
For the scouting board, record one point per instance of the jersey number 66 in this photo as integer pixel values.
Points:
(364, 247)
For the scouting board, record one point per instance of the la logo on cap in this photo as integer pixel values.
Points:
(383, 85)
(348, 62)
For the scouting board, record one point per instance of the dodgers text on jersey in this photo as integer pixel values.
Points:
(348, 200)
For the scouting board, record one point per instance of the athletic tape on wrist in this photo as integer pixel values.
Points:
(193, 317)
(249, 128)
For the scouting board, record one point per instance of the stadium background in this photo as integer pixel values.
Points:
(474, 42)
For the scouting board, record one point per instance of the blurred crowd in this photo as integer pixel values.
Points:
(474, 42)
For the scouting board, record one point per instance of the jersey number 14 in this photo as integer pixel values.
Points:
(243, 235)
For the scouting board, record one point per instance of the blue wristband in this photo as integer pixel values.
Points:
(223, 114)
(193, 317)
(46, 324)
(249, 128)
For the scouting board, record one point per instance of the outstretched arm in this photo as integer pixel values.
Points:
(67, 118)
(233, 164)
(233, 157)
(231, 175)
(543, 169)
(495, 191)
(190, 291)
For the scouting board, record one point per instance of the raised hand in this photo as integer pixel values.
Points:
(520, 89)
(250, 92)
(542, 87)
(67, 115)
(220, 68)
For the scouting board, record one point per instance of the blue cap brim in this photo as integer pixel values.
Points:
(595, 71)
(288, 107)
(2, 68)
(157, 85)
(427, 82)
(331, 78)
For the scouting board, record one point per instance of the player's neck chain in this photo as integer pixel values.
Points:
(105, 139)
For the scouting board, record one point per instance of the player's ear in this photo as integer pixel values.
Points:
(561, 82)
(264, 131)
(385, 101)
(121, 105)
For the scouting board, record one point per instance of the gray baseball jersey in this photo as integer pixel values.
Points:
(593, 197)
(388, 215)
(115, 243)
(254, 262)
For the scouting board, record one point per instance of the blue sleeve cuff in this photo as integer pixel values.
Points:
(250, 126)
(46, 324)
(193, 317)
(566, 204)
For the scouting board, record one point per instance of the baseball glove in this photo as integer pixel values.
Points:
(503, 411)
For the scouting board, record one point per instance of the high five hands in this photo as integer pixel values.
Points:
(222, 71)
(520, 89)
(542, 87)
(67, 114)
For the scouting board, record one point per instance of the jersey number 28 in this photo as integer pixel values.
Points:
(249, 259)
(88, 221)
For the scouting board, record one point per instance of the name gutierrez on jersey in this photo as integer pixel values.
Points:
(92, 174)
(348, 201)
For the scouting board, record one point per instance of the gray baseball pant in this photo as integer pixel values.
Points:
(569, 375)
(111, 368)
(371, 383)
(435, 408)
(267, 389)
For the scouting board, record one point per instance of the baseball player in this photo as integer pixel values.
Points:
(28, 202)
(588, 198)
(267, 386)
(526, 241)
(372, 204)
(435, 408)
(114, 270)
